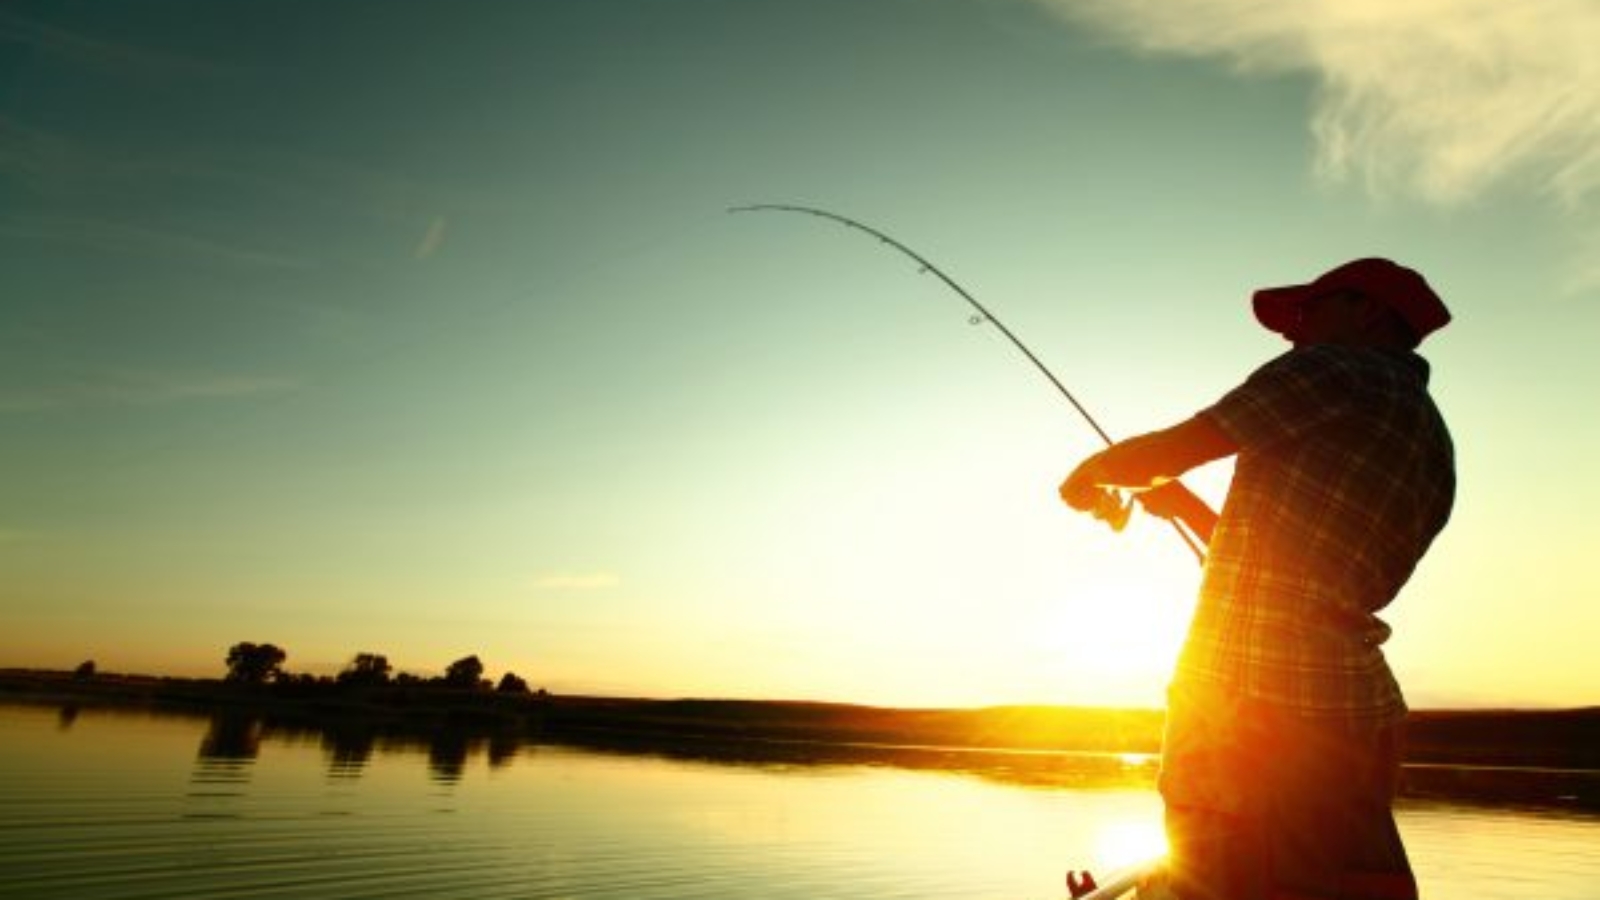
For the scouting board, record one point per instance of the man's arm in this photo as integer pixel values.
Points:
(1149, 461)
(1175, 501)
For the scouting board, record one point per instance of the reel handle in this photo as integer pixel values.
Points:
(1110, 508)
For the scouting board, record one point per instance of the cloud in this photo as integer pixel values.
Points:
(432, 240)
(31, 154)
(137, 389)
(58, 163)
(84, 49)
(65, 171)
(1444, 100)
(139, 240)
(583, 581)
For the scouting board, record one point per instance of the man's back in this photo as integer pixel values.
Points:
(1345, 474)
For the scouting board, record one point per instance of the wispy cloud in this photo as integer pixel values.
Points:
(1444, 100)
(432, 240)
(46, 157)
(142, 240)
(128, 388)
(86, 49)
(58, 167)
(576, 581)
(30, 155)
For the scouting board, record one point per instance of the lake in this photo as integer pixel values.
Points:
(124, 804)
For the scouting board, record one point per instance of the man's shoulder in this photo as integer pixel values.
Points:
(1322, 361)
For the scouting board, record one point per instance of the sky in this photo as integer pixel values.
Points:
(423, 329)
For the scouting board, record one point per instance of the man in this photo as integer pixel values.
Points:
(1283, 724)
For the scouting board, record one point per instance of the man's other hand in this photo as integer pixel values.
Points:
(1169, 501)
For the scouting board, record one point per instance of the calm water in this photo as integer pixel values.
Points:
(124, 805)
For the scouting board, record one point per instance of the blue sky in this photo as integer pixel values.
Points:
(421, 329)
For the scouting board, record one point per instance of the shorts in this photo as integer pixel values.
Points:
(1264, 804)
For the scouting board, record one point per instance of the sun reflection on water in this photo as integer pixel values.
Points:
(1127, 842)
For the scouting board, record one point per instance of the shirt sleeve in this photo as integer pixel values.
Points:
(1287, 398)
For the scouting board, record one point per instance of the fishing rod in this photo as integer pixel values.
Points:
(1116, 515)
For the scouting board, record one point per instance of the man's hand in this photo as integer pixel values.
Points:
(1173, 500)
(1169, 501)
(1149, 461)
(1082, 491)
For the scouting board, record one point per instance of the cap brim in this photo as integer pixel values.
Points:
(1278, 309)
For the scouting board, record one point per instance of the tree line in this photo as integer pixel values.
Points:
(252, 663)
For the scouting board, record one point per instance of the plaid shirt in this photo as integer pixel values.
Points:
(1344, 476)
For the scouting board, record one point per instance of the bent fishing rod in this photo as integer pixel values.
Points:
(1116, 518)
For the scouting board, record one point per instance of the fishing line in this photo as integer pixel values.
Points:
(1116, 519)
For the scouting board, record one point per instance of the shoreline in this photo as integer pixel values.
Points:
(1543, 757)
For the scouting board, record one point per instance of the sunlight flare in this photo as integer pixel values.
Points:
(1126, 843)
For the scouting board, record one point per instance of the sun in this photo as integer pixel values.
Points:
(1115, 642)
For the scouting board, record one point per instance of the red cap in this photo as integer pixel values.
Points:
(1406, 292)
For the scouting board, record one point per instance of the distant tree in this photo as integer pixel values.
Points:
(464, 673)
(511, 684)
(255, 663)
(407, 679)
(366, 669)
(84, 671)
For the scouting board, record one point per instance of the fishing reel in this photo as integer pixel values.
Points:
(1110, 508)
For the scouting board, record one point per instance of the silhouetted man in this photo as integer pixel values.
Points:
(1284, 721)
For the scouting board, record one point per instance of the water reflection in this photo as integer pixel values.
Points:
(223, 766)
(348, 750)
(447, 755)
(1505, 785)
(232, 737)
(234, 740)
(503, 748)
(274, 807)
(1029, 768)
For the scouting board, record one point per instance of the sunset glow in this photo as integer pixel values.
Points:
(434, 337)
